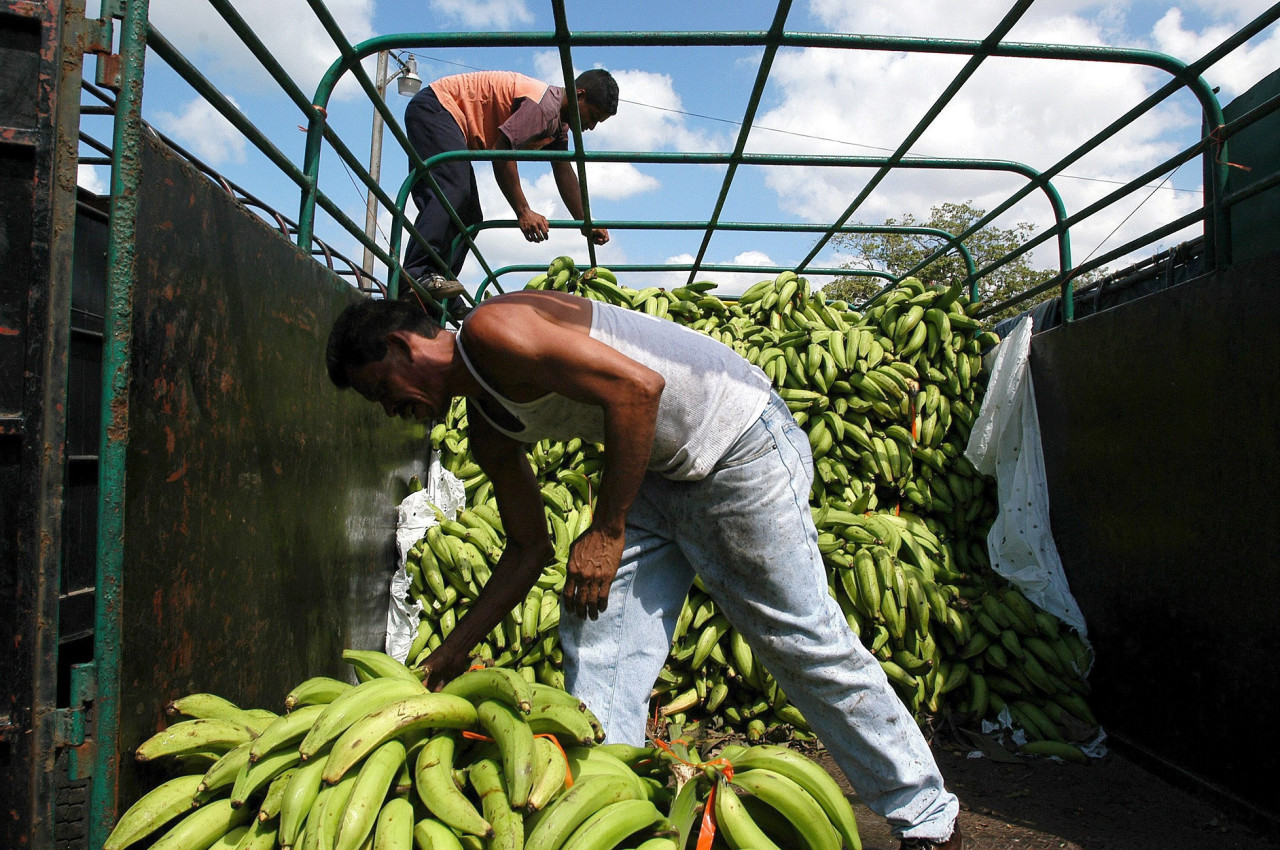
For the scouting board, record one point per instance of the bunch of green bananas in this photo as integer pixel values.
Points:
(341, 767)
(490, 761)
(887, 398)
(762, 796)
(776, 797)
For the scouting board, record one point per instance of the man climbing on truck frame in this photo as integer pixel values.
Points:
(705, 471)
(494, 110)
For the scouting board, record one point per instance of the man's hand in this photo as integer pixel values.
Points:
(593, 562)
(442, 667)
(597, 235)
(534, 226)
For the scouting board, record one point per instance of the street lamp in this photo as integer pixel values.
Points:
(410, 82)
(408, 85)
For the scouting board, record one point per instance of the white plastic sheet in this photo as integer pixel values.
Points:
(1095, 747)
(1005, 443)
(417, 513)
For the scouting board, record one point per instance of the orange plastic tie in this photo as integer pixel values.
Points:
(474, 736)
(568, 774)
(725, 766)
(666, 748)
(1215, 136)
(707, 834)
(324, 114)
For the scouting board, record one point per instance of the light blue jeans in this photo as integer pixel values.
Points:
(747, 531)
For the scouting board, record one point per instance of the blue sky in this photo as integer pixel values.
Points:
(690, 99)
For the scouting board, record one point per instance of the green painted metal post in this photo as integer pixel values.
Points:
(575, 120)
(117, 351)
(740, 146)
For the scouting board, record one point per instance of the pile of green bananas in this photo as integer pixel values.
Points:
(490, 761)
(887, 398)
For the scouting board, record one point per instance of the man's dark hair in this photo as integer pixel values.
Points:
(358, 337)
(600, 89)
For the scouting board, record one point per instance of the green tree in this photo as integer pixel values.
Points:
(898, 252)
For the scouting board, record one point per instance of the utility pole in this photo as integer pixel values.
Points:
(408, 86)
(375, 162)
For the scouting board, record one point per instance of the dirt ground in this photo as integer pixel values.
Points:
(1040, 804)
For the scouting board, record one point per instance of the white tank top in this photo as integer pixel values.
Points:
(712, 394)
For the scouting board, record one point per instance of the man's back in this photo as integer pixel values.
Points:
(482, 101)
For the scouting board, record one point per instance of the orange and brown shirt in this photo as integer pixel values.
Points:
(494, 105)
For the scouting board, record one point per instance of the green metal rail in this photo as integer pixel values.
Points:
(336, 261)
(1184, 76)
(424, 172)
(732, 226)
(1212, 148)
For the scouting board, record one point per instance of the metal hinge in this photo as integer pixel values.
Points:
(70, 722)
(99, 36)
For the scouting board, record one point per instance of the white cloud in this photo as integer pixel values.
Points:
(488, 14)
(728, 283)
(649, 117)
(668, 280)
(938, 18)
(1030, 111)
(1235, 73)
(615, 181)
(381, 237)
(649, 112)
(1240, 11)
(92, 179)
(347, 244)
(505, 246)
(547, 67)
(976, 19)
(288, 28)
(203, 130)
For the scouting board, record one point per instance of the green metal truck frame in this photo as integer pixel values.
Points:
(51, 37)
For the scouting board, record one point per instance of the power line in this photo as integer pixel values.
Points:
(1129, 216)
(809, 136)
(363, 196)
(861, 145)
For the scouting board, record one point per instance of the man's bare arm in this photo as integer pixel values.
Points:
(527, 551)
(571, 193)
(533, 225)
(525, 335)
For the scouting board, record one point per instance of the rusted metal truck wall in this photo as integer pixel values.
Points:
(1160, 434)
(259, 533)
(39, 76)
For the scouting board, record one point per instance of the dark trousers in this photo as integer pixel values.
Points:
(432, 130)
